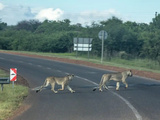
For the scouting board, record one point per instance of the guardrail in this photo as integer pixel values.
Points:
(4, 80)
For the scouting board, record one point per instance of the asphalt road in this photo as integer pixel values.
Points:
(141, 101)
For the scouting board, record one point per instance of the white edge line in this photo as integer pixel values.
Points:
(138, 116)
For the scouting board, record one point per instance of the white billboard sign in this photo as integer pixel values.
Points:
(82, 44)
(82, 47)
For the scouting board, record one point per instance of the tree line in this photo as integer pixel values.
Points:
(125, 39)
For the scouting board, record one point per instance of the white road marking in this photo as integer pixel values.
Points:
(87, 80)
(91, 72)
(48, 68)
(138, 116)
(39, 65)
(59, 70)
(30, 63)
(92, 82)
(67, 73)
(1, 58)
(21, 61)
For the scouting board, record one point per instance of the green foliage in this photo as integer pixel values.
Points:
(2, 25)
(135, 39)
(30, 25)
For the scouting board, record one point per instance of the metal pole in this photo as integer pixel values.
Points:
(2, 87)
(77, 48)
(88, 48)
(102, 47)
(12, 84)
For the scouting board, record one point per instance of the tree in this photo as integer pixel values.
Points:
(2, 25)
(151, 47)
(30, 25)
(115, 30)
(156, 21)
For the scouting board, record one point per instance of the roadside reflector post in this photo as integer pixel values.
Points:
(13, 75)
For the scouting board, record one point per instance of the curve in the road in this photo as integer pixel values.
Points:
(138, 116)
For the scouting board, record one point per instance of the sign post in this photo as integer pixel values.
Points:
(102, 35)
(2, 87)
(13, 75)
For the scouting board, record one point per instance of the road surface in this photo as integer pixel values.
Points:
(141, 101)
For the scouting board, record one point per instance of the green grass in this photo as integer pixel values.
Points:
(139, 64)
(10, 98)
(3, 73)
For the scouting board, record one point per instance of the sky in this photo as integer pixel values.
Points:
(78, 11)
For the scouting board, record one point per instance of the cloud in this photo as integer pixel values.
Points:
(1, 6)
(14, 14)
(87, 17)
(49, 14)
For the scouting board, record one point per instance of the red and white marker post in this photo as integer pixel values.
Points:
(13, 75)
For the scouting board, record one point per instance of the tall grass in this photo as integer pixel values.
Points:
(11, 99)
(140, 64)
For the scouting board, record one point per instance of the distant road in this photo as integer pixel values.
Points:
(139, 102)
